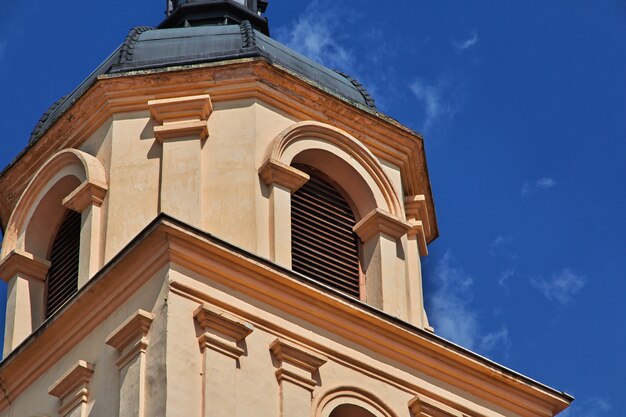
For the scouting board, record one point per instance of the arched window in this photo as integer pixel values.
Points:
(350, 410)
(324, 245)
(62, 278)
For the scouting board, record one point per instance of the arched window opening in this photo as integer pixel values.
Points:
(324, 245)
(350, 410)
(62, 278)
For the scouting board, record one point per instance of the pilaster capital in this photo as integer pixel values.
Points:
(417, 209)
(130, 338)
(181, 117)
(423, 406)
(19, 262)
(381, 222)
(73, 387)
(87, 194)
(221, 331)
(276, 172)
(417, 232)
(296, 364)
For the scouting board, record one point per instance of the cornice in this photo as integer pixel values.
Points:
(168, 241)
(241, 79)
(276, 172)
(19, 262)
(380, 222)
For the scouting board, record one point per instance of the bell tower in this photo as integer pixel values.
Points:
(214, 225)
(190, 13)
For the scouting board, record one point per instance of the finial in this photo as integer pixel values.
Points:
(187, 13)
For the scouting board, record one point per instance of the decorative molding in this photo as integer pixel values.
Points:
(87, 194)
(416, 208)
(227, 81)
(94, 173)
(168, 241)
(381, 222)
(221, 331)
(73, 387)
(181, 117)
(301, 364)
(423, 406)
(130, 338)
(417, 232)
(20, 262)
(276, 172)
(344, 141)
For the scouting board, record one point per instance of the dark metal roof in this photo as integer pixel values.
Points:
(148, 48)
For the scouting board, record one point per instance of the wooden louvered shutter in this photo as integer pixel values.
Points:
(324, 247)
(62, 279)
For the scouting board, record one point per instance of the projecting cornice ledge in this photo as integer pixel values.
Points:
(170, 241)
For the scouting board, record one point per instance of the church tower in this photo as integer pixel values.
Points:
(213, 225)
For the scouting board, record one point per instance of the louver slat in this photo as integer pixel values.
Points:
(324, 246)
(62, 279)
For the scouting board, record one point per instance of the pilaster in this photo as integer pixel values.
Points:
(282, 180)
(221, 345)
(131, 341)
(87, 199)
(380, 232)
(73, 390)
(296, 375)
(26, 277)
(181, 128)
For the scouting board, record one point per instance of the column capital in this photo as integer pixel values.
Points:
(73, 387)
(276, 172)
(417, 232)
(18, 262)
(381, 222)
(181, 117)
(297, 365)
(221, 331)
(130, 338)
(87, 194)
(417, 209)
(423, 406)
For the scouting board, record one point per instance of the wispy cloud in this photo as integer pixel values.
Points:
(451, 311)
(316, 34)
(561, 287)
(440, 102)
(591, 407)
(500, 246)
(506, 276)
(465, 44)
(544, 183)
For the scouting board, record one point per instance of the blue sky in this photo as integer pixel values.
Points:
(523, 110)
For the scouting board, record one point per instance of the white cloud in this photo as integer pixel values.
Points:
(505, 277)
(544, 183)
(439, 102)
(591, 407)
(451, 312)
(467, 43)
(561, 287)
(315, 34)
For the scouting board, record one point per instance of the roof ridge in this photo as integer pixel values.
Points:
(247, 34)
(128, 47)
(44, 117)
(369, 100)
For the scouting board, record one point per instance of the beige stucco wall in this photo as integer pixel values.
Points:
(173, 382)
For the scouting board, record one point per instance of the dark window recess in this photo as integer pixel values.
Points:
(324, 247)
(62, 279)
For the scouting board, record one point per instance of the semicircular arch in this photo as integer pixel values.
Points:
(350, 397)
(308, 136)
(70, 167)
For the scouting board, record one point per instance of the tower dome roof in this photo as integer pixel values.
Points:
(147, 48)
